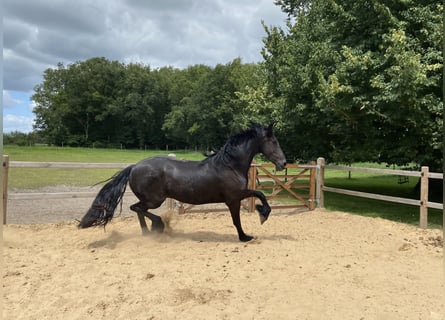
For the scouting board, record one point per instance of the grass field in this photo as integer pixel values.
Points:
(385, 185)
(56, 154)
(33, 178)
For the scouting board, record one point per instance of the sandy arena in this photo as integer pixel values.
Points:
(310, 265)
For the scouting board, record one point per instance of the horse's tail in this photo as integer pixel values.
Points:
(111, 194)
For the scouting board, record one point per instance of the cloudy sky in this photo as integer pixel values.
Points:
(39, 34)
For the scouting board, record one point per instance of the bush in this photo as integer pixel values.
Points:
(19, 138)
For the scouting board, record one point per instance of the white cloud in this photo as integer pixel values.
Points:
(179, 33)
(31, 106)
(9, 101)
(17, 123)
(39, 34)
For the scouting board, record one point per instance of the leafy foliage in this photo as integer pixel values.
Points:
(107, 103)
(349, 80)
(362, 78)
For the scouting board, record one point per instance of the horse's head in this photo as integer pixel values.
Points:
(270, 146)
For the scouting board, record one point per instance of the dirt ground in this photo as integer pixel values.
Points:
(302, 265)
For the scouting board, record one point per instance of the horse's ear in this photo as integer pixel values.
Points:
(269, 130)
(257, 127)
(254, 125)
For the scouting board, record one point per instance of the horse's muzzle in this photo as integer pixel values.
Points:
(280, 165)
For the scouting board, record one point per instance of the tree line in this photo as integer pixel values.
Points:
(351, 80)
(108, 103)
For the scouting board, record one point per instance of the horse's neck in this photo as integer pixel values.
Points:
(242, 156)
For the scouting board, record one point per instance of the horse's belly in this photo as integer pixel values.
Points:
(196, 195)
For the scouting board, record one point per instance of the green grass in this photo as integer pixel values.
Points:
(33, 178)
(386, 210)
(378, 184)
(67, 154)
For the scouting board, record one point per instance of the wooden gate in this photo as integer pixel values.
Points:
(292, 188)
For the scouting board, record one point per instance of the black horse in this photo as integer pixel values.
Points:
(222, 177)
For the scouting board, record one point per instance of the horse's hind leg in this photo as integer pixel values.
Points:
(137, 207)
(156, 221)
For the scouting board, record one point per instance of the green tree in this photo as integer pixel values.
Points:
(75, 105)
(360, 80)
(209, 106)
(20, 138)
(181, 119)
(135, 106)
(49, 98)
(91, 88)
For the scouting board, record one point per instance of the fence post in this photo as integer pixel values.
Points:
(319, 194)
(424, 197)
(312, 187)
(5, 186)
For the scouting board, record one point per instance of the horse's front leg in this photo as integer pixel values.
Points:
(234, 211)
(263, 209)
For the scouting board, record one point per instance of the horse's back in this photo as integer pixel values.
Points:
(165, 164)
(154, 169)
(187, 181)
(162, 172)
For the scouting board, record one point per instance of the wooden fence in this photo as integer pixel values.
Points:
(261, 177)
(423, 174)
(279, 182)
(285, 186)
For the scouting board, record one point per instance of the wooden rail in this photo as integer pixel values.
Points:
(58, 195)
(424, 176)
(281, 181)
(285, 182)
(315, 186)
(25, 164)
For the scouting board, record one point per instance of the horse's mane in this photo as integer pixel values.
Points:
(241, 137)
(232, 143)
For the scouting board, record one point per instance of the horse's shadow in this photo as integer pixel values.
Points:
(114, 238)
(201, 236)
(111, 241)
(209, 236)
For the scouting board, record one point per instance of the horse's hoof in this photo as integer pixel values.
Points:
(245, 238)
(264, 212)
(263, 218)
(158, 226)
